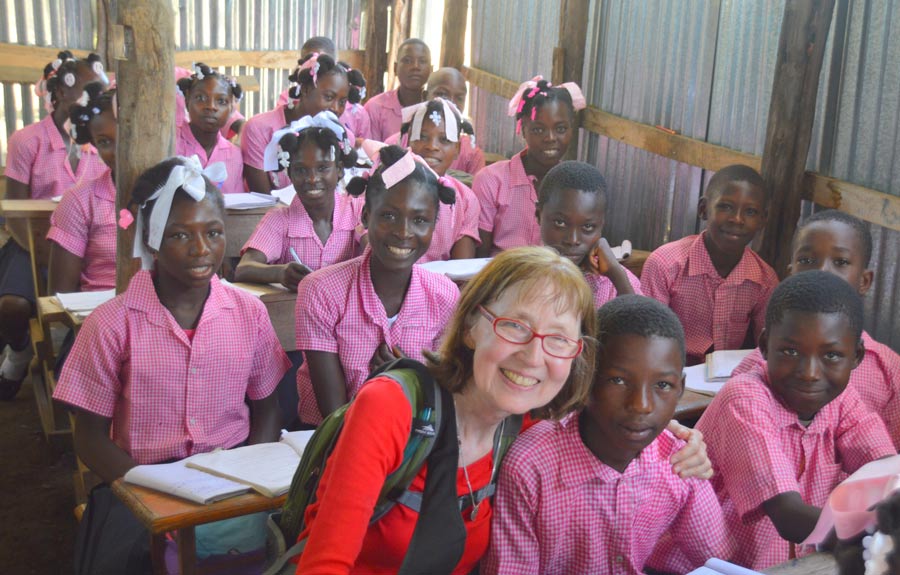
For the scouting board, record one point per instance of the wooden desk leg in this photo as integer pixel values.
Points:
(187, 551)
(158, 554)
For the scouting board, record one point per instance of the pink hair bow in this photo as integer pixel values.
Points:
(518, 102)
(313, 66)
(404, 167)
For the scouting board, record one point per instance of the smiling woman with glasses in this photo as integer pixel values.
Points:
(519, 344)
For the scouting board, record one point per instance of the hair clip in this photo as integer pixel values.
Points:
(125, 218)
(517, 103)
(362, 93)
(83, 99)
(198, 72)
(330, 153)
(69, 79)
(312, 64)
(56, 64)
(435, 118)
(284, 158)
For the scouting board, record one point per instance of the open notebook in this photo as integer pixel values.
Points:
(721, 567)
(267, 468)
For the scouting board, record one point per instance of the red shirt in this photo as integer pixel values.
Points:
(759, 449)
(376, 429)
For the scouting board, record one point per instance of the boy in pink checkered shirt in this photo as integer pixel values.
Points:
(782, 435)
(713, 281)
(839, 243)
(595, 492)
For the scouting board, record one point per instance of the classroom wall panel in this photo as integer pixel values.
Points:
(651, 62)
(513, 39)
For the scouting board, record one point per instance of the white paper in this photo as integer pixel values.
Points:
(727, 568)
(244, 287)
(56, 199)
(720, 364)
(623, 251)
(85, 301)
(457, 269)
(285, 195)
(267, 467)
(297, 439)
(178, 479)
(248, 201)
(695, 380)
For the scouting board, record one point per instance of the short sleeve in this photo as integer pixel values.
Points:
(515, 545)
(70, 222)
(759, 311)
(861, 435)
(270, 363)
(699, 529)
(252, 144)
(476, 160)
(362, 123)
(470, 214)
(21, 155)
(269, 235)
(91, 379)
(485, 186)
(317, 315)
(654, 282)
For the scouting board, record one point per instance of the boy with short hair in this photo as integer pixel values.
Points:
(595, 492)
(784, 434)
(839, 243)
(412, 68)
(717, 286)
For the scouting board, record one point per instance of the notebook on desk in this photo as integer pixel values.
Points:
(180, 480)
(721, 567)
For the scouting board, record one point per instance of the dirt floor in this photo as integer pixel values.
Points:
(37, 530)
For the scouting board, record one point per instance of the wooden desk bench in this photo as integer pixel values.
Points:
(161, 513)
(280, 304)
(815, 564)
(691, 406)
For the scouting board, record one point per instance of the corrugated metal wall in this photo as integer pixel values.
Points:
(199, 25)
(513, 39)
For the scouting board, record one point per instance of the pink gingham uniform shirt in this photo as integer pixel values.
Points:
(37, 156)
(291, 227)
(560, 510)
(715, 311)
(170, 397)
(759, 449)
(469, 159)
(876, 380)
(604, 290)
(84, 224)
(508, 204)
(339, 312)
(256, 135)
(385, 118)
(187, 145)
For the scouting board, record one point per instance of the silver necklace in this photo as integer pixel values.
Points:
(474, 514)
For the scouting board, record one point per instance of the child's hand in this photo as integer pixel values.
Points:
(385, 354)
(601, 259)
(691, 460)
(292, 274)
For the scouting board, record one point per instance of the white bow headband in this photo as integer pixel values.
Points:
(274, 158)
(188, 177)
(416, 115)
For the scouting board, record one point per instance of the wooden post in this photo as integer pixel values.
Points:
(401, 29)
(568, 57)
(801, 48)
(376, 45)
(453, 38)
(146, 97)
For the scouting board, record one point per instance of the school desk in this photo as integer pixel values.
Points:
(691, 406)
(815, 564)
(161, 513)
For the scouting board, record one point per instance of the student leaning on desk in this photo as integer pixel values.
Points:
(180, 353)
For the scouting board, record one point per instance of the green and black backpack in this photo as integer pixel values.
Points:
(425, 399)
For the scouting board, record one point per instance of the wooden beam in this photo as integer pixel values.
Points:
(376, 45)
(453, 33)
(568, 57)
(491, 82)
(652, 139)
(864, 203)
(146, 120)
(801, 48)
(401, 29)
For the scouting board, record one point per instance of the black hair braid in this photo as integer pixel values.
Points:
(99, 101)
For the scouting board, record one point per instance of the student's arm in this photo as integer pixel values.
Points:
(257, 180)
(370, 446)
(514, 545)
(254, 269)
(487, 244)
(265, 420)
(861, 435)
(328, 380)
(793, 518)
(64, 270)
(463, 249)
(18, 228)
(96, 449)
(601, 260)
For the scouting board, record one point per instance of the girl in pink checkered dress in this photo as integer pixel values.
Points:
(318, 228)
(42, 162)
(507, 191)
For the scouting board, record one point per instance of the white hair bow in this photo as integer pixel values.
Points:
(189, 177)
(416, 115)
(274, 158)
